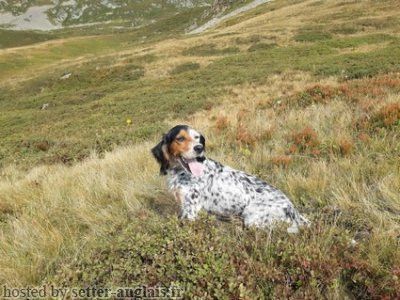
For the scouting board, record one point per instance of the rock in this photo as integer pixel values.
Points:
(353, 242)
(66, 76)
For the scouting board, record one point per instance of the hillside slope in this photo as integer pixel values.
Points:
(55, 14)
(304, 94)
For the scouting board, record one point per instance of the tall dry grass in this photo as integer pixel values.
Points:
(54, 210)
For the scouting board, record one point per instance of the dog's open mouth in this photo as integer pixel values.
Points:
(192, 165)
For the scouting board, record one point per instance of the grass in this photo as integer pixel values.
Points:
(312, 36)
(260, 46)
(185, 67)
(209, 50)
(10, 38)
(81, 202)
(130, 247)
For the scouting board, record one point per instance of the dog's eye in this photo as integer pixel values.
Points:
(180, 139)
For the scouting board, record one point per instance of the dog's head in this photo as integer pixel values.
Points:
(181, 146)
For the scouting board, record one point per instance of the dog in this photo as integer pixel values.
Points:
(200, 183)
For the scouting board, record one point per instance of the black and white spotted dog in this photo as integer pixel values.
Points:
(200, 183)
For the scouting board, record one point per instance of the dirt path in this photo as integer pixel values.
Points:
(215, 21)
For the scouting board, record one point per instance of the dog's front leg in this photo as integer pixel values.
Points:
(191, 205)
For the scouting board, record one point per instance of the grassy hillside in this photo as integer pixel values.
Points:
(12, 38)
(304, 94)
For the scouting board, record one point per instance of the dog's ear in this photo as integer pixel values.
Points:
(160, 155)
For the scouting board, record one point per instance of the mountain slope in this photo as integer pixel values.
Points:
(304, 94)
(46, 15)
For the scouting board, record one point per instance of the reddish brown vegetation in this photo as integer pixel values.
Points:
(316, 94)
(365, 91)
(387, 116)
(267, 134)
(304, 141)
(221, 123)
(244, 136)
(42, 146)
(242, 114)
(281, 160)
(372, 88)
(345, 146)
(363, 137)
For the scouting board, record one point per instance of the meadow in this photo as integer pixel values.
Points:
(304, 94)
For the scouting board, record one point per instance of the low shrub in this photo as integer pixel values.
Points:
(387, 117)
(212, 259)
(304, 141)
(315, 94)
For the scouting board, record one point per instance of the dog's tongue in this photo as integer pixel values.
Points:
(196, 168)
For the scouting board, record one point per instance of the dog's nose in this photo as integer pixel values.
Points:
(198, 149)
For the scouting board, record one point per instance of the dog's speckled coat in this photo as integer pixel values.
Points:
(225, 191)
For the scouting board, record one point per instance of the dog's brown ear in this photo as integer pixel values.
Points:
(161, 157)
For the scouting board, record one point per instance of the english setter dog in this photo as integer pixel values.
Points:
(201, 183)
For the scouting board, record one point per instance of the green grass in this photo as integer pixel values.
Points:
(109, 96)
(261, 46)
(190, 66)
(78, 106)
(209, 50)
(312, 36)
(28, 59)
(12, 38)
(11, 63)
(321, 58)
